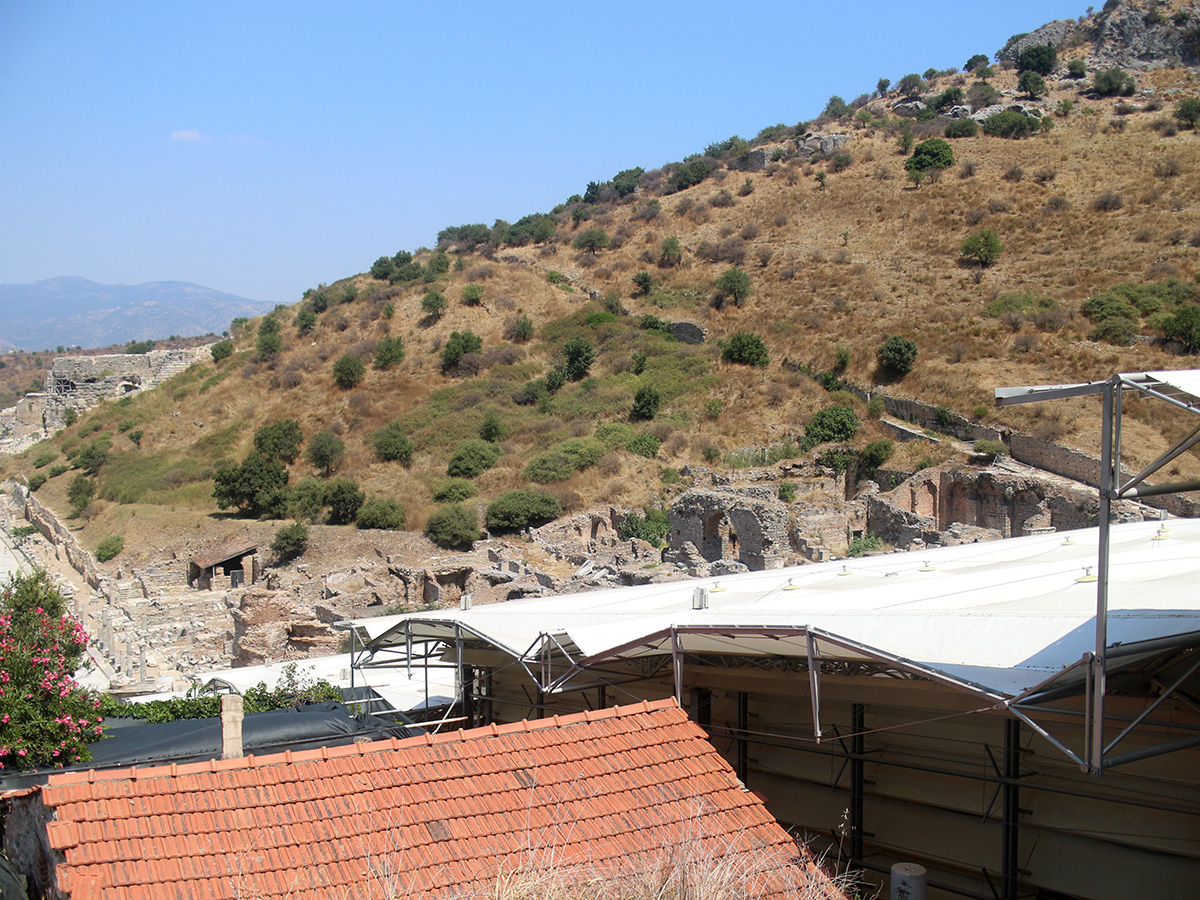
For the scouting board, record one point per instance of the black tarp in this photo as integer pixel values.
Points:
(308, 727)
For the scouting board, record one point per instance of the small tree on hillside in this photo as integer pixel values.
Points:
(911, 85)
(1031, 83)
(733, 285)
(592, 240)
(1041, 59)
(981, 248)
(344, 497)
(348, 372)
(325, 451)
(579, 355)
(933, 154)
(389, 352)
(472, 294)
(646, 402)
(459, 345)
(672, 253)
(433, 304)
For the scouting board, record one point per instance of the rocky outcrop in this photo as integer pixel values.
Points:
(1132, 37)
(1056, 34)
(821, 145)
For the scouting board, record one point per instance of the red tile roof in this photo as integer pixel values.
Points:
(442, 815)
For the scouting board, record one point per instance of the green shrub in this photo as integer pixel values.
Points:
(875, 454)
(579, 355)
(472, 294)
(92, 456)
(45, 458)
(690, 174)
(746, 349)
(653, 527)
(1041, 59)
(221, 350)
(549, 467)
(521, 330)
(644, 445)
(57, 470)
(981, 248)
(473, 458)
(306, 500)
(646, 402)
(713, 409)
(833, 423)
(491, 429)
(454, 490)
(1024, 303)
(454, 527)
(897, 355)
(109, 548)
(1076, 68)
(269, 341)
(392, 444)
(459, 345)
(522, 507)
(290, 541)
(711, 454)
(1111, 82)
(1010, 124)
(389, 352)
(787, 492)
(876, 407)
(305, 321)
(35, 481)
(615, 434)
(279, 440)
(348, 372)
(1184, 327)
(383, 513)
(864, 543)
(23, 531)
(344, 498)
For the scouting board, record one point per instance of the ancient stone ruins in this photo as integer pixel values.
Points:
(80, 382)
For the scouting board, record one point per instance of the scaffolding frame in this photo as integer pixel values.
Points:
(1097, 754)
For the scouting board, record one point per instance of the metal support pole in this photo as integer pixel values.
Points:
(857, 766)
(352, 642)
(1106, 491)
(677, 665)
(743, 726)
(1012, 809)
(602, 697)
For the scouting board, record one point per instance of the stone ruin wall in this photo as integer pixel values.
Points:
(81, 382)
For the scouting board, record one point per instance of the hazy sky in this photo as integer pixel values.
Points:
(261, 148)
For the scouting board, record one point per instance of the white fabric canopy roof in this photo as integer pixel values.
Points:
(1000, 617)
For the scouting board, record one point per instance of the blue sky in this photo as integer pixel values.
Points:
(261, 148)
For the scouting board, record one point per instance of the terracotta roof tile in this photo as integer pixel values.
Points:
(435, 814)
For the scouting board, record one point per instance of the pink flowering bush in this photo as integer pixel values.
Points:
(46, 718)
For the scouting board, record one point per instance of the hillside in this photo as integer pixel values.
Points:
(841, 247)
(87, 314)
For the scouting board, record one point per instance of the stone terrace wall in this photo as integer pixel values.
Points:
(1085, 468)
(57, 534)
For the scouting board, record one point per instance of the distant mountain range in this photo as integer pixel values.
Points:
(70, 311)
